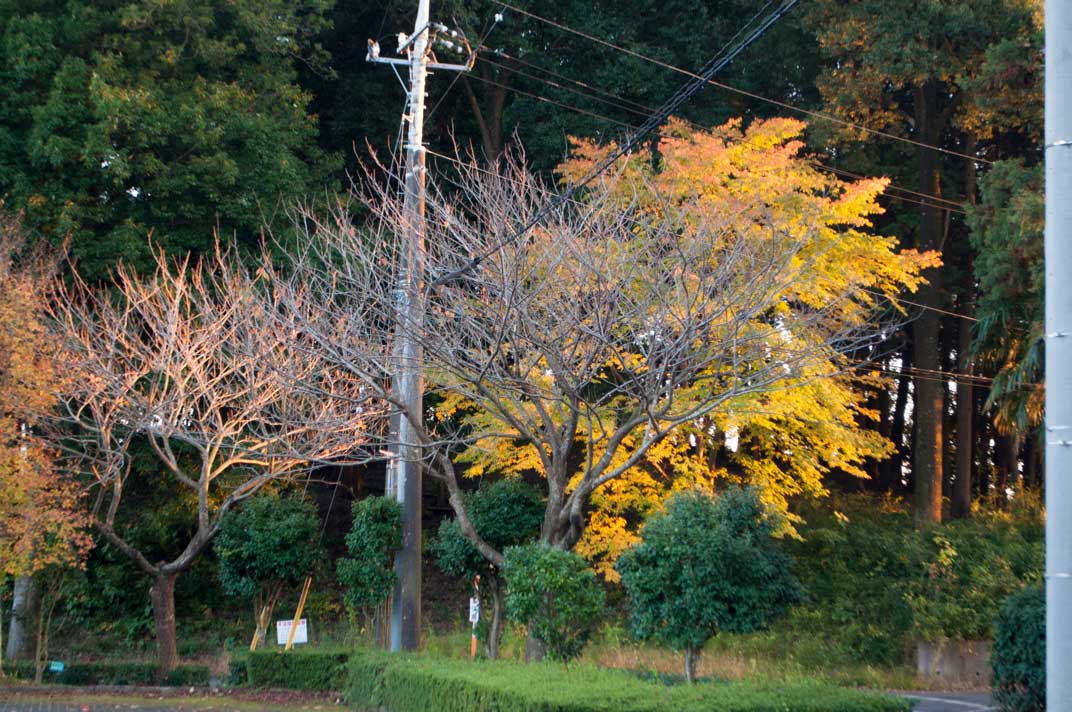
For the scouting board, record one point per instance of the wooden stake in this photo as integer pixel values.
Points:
(297, 614)
(257, 630)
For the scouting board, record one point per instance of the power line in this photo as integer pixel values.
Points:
(727, 87)
(919, 304)
(717, 63)
(556, 85)
(485, 33)
(560, 104)
(720, 61)
(614, 99)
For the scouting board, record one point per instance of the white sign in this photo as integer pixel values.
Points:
(474, 610)
(282, 631)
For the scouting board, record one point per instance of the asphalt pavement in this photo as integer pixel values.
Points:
(952, 701)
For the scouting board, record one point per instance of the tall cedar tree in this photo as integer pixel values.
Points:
(922, 70)
(123, 119)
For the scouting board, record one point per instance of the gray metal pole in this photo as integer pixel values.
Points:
(405, 476)
(1058, 355)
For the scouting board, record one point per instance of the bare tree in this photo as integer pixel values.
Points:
(589, 338)
(195, 365)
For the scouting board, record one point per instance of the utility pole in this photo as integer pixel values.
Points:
(404, 476)
(1058, 354)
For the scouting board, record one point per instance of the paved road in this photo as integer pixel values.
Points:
(952, 701)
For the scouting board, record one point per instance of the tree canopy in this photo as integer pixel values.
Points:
(179, 120)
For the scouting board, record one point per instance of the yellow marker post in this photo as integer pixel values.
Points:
(261, 625)
(297, 614)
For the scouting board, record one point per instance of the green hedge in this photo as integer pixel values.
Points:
(1018, 657)
(422, 684)
(113, 673)
(296, 669)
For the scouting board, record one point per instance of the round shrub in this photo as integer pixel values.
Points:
(271, 540)
(556, 594)
(706, 565)
(368, 573)
(1018, 658)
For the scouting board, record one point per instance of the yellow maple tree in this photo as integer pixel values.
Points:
(783, 440)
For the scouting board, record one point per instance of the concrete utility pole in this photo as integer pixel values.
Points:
(1058, 355)
(404, 477)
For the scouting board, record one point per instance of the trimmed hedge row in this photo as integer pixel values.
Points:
(113, 673)
(403, 683)
(293, 670)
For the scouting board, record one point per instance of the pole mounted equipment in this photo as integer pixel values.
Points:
(404, 476)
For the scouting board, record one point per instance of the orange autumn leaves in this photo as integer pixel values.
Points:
(41, 523)
(785, 442)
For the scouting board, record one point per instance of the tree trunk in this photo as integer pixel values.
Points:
(929, 402)
(3, 584)
(981, 426)
(23, 603)
(46, 606)
(1008, 461)
(40, 646)
(890, 471)
(961, 500)
(491, 648)
(263, 607)
(949, 422)
(965, 462)
(1031, 461)
(691, 654)
(162, 595)
(535, 650)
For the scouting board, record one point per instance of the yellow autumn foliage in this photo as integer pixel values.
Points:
(786, 439)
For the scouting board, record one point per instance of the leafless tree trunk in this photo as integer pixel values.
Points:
(199, 363)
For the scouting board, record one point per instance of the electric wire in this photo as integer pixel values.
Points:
(563, 105)
(743, 92)
(485, 33)
(719, 62)
(938, 202)
(633, 139)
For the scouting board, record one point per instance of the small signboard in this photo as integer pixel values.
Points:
(56, 666)
(282, 631)
(474, 610)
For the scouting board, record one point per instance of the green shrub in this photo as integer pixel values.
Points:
(1018, 657)
(365, 678)
(968, 568)
(271, 539)
(706, 565)
(297, 669)
(556, 594)
(237, 671)
(869, 577)
(505, 513)
(188, 676)
(368, 573)
(424, 684)
(113, 673)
